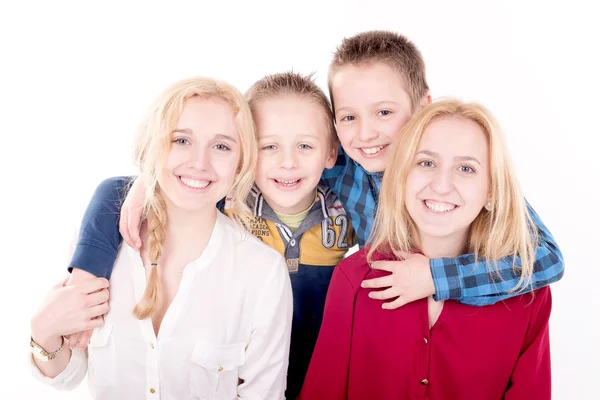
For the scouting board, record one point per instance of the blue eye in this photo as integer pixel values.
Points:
(304, 147)
(222, 147)
(181, 141)
(426, 163)
(466, 169)
(269, 147)
(384, 113)
(348, 118)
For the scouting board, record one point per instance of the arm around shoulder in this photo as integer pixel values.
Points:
(469, 281)
(99, 238)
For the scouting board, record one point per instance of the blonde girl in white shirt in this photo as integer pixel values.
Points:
(203, 310)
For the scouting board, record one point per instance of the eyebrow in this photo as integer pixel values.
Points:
(374, 105)
(302, 136)
(217, 136)
(457, 158)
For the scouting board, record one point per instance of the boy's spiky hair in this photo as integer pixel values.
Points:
(292, 83)
(388, 47)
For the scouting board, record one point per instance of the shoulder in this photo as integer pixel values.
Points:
(354, 268)
(342, 164)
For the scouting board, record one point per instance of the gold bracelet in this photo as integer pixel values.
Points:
(41, 354)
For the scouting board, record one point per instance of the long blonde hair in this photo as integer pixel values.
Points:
(151, 150)
(505, 230)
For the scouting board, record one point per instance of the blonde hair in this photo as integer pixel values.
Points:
(506, 230)
(292, 83)
(387, 47)
(151, 150)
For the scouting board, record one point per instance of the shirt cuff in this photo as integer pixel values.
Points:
(447, 279)
(67, 379)
(92, 259)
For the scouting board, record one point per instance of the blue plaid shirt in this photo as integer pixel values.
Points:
(463, 278)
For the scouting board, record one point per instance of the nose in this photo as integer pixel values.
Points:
(199, 158)
(288, 159)
(366, 131)
(442, 182)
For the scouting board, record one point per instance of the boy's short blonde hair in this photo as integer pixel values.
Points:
(387, 47)
(292, 83)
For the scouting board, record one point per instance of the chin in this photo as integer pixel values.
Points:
(192, 205)
(442, 232)
(373, 166)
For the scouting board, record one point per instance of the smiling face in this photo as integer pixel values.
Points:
(294, 149)
(203, 156)
(371, 106)
(449, 182)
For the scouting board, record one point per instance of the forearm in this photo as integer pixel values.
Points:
(99, 238)
(52, 368)
(472, 282)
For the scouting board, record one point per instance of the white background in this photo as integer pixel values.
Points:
(75, 80)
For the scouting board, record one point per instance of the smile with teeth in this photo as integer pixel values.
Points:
(439, 207)
(372, 150)
(287, 182)
(194, 183)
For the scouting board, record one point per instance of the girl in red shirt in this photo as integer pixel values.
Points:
(449, 189)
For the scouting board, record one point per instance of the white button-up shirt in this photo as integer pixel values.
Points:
(226, 334)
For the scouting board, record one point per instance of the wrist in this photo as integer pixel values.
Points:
(50, 344)
(50, 341)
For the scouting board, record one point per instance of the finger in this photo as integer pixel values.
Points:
(85, 339)
(135, 218)
(99, 297)
(384, 265)
(93, 285)
(74, 339)
(124, 225)
(375, 283)
(392, 305)
(402, 255)
(384, 294)
(93, 324)
(65, 280)
(96, 311)
(62, 282)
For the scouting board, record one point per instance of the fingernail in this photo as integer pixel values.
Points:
(383, 306)
(362, 284)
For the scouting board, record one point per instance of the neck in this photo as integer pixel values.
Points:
(302, 206)
(450, 246)
(185, 226)
(186, 235)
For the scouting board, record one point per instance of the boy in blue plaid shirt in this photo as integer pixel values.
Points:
(376, 82)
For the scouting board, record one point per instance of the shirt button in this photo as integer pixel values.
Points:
(152, 390)
(293, 242)
(424, 382)
(425, 340)
(152, 345)
(220, 369)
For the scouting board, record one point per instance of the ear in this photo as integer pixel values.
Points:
(332, 157)
(425, 100)
(488, 204)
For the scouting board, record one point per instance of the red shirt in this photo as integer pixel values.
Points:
(480, 353)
